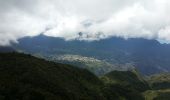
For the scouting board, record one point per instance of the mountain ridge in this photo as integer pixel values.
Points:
(148, 56)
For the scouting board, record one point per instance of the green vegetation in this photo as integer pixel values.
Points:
(24, 77)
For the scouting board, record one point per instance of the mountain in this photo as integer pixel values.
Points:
(6, 49)
(147, 56)
(24, 77)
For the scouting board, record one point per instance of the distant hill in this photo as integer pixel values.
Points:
(96, 66)
(148, 56)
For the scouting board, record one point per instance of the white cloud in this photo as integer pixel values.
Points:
(65, 18)
(164, 34)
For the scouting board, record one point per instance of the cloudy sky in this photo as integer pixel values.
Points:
(66, 18)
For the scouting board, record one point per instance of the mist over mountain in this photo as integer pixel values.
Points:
(84, 49)
(63, 18)
(148, 56)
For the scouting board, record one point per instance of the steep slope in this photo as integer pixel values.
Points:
(148, 56)
(23, 77)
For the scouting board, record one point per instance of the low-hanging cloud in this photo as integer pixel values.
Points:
(94, 18)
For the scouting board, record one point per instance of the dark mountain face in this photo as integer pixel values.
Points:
(6, 49)
(148, 56)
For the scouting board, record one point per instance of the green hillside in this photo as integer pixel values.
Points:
(23, 77)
